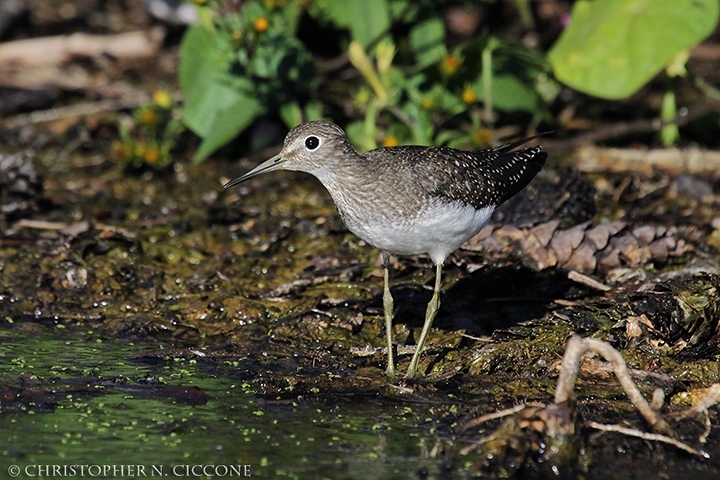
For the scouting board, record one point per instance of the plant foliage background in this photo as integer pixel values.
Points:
(391, 72)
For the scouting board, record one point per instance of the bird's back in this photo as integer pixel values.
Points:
(478, 178)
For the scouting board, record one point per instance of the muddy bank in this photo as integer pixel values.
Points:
(265, 289)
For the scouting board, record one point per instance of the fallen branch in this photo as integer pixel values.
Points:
(57, 50)
(79, 110)
(622, 129)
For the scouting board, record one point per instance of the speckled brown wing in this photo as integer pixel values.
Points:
(479, 178)
(488, 177)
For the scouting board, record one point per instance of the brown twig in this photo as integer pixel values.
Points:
(79, 110)
(636, 126)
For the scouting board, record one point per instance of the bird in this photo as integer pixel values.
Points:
(407, 200)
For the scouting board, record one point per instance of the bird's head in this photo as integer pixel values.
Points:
(311, 147)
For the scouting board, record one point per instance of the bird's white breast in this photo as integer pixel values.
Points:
(438, 229)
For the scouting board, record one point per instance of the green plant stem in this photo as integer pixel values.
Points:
(669, 133)
(371, 125)
(487, 82)
(703, 87)
(400, 115)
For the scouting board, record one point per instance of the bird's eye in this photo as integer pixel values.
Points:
(312, 142)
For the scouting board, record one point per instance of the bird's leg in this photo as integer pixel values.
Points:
(388, 309)
(430, 313)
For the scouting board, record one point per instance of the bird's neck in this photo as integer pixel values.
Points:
(351, 185)
(347, 171)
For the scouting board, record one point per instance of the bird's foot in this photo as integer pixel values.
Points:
(412, 373)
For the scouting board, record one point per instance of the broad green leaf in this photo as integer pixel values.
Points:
(407, 8)
(356, 133)
(201, 64)
(427, 40)
(510, 94)
(215, 104)
(613, 47)
(313, 111)
(237, 113)
(291, 114)
(199, 115)
(366, 19)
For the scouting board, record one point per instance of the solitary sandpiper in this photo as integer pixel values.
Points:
(407, 200)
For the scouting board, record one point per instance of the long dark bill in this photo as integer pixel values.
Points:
(275, 163)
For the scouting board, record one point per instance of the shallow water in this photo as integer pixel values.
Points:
(95, 427)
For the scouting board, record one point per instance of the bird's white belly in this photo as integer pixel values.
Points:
(438, 230)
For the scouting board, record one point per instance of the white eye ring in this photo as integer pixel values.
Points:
(312, 142)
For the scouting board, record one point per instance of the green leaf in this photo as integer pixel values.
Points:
(366, 19)
(313, 111)
(510, 94)
(291, 114)
(201, 64)
(613, 47)
(356, 132)
(421, 124)
(216, 105)
(427, 40)
(236, 114)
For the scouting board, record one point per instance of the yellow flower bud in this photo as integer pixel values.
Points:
(390, 141)
(469, 96)
(162, 98)
(482, 137)
(152, 155)
(261, 24)
(450, 64)
(148, 116)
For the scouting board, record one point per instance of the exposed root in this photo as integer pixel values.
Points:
(587, 280)
(546, 436)
(577, 347)
(655, 437)
(710, 397)
(499, 414)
